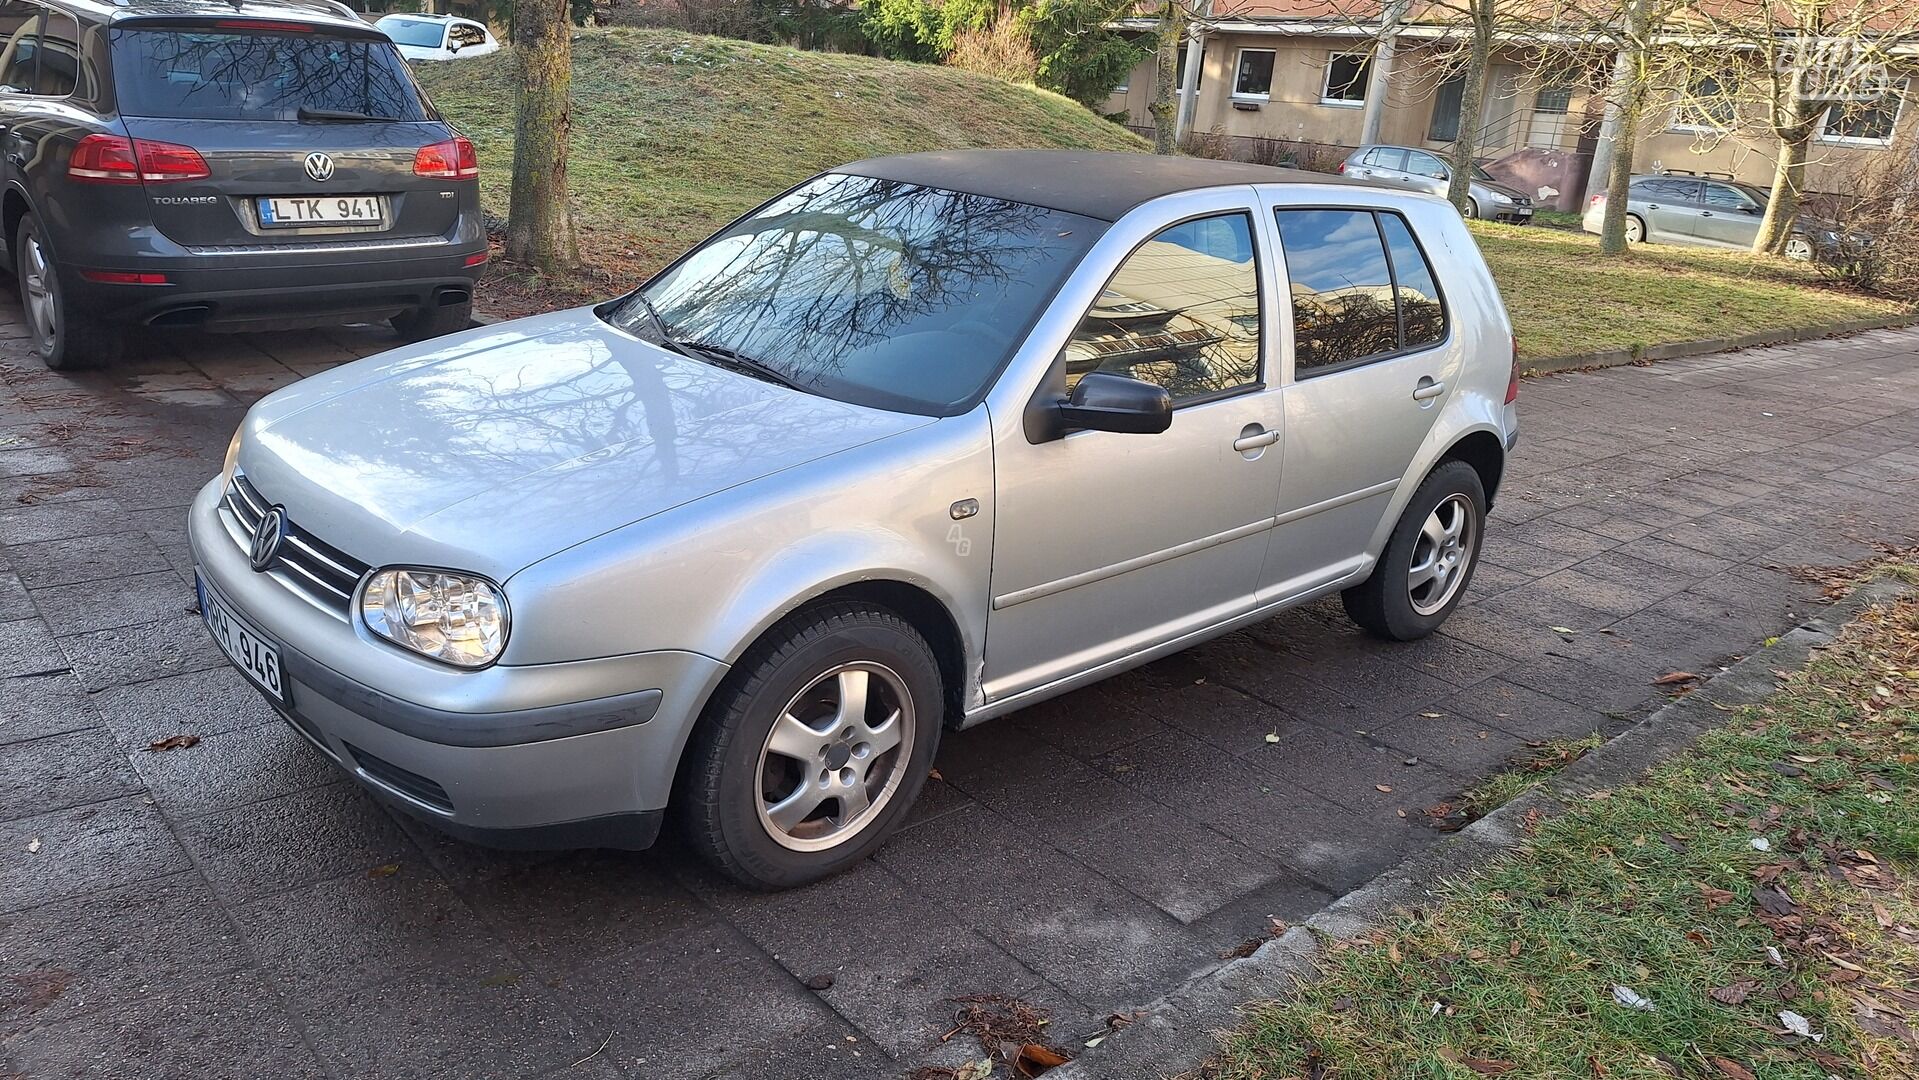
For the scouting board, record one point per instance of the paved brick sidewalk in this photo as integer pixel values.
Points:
(229, 910)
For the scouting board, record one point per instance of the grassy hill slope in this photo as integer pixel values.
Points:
(674, 134)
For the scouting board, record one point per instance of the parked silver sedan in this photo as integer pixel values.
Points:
(1662, 209)
(920, 442)
(1423, 170)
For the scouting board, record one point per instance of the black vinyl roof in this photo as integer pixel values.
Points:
(1095, 184)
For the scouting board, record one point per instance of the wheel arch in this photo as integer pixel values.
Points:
(1484, 452)
(14, 205)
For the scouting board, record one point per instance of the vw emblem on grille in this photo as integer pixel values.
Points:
(319, 166)
(266, 539)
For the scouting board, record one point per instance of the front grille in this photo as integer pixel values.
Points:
(408, 783)
(317, 570)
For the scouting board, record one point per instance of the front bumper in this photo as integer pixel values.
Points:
(551, 755)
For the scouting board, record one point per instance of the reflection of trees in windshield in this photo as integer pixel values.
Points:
(883, 292)
(259, 76)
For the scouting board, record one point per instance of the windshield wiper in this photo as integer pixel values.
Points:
(734, 360)
(347, 116)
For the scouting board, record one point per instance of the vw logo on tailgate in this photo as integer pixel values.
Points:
(319, 166)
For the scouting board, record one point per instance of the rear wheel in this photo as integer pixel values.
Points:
(1429, 559)
(65, 341)
(1799, 249)
(1635, 229)
(814, 749)
(425, 323)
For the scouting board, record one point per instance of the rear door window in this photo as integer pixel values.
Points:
(466, 35)
(1686, 191)
(19, 47)
(1388, 157)
(213, 74)
(1352, 300)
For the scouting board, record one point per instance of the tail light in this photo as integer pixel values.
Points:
(116, 159)
(123, 277)
(1512, 384)
(1342, 169)
(453, 159)
(1597, 200)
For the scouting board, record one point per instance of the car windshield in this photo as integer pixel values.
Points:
(415, 32)
(1481, 174)
(239, 75)
(878, 292)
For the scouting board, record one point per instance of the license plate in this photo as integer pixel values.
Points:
(250, 651)
(321, 210)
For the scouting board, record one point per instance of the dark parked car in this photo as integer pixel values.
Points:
(234, 165)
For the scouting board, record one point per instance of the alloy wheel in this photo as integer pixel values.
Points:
(1799, 249)
(37, 282)
(1635, 233)
(1442, 554)
(835, 757)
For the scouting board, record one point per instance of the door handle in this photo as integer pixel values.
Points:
(1428, 389)
(1255, 438)
(1652, 206)
(1705, 213)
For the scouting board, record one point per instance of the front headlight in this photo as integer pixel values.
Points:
(454, 618)
(232, 460)
(1499, 198)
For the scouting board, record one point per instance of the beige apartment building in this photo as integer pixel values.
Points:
(1277, 73)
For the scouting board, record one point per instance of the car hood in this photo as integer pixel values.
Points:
(491, 449)
(1507, 190)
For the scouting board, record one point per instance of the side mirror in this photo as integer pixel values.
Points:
(1103, 401)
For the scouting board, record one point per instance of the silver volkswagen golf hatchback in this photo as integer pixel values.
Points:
(919, 442)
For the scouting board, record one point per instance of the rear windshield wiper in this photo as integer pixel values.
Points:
(346, 116)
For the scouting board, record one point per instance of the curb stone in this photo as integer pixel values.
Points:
(1673, 350)
(1181, 1030)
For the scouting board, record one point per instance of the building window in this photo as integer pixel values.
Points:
(1709, 105)
(1253, 76)
(1179, 70)
(1444, 126)
(1346, 78)
(1869, 122)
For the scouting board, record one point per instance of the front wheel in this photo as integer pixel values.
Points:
(1799, 249)
(1472, 207)
(1429, 559)
(64, 340)
(814, 748)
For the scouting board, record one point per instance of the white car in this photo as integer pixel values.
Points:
(438, 37)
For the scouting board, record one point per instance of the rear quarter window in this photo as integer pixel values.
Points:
(212, 74)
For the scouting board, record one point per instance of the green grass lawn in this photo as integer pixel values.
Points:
(1565, 298)
(675, 134)
(1660, 889)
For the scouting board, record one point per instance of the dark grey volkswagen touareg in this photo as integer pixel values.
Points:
(234, 165)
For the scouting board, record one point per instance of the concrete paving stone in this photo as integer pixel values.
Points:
(233, 768)
(296, 839)
(27, 648)
(59, 771)
(1520, 557)
(1449, 741)
(1332, 763)
(35, 706)
(1602, 594)
(1725, 536)
(230, 1027)
(15, 604)
(203, 703)
(33, 461)
(937, 799)
(1590, 685)
(82, 849)
(118, 945)
(894, 966)
(1190, 871)
(1622, 569)
(1522, 711)
(1081, 932)
(699, 1003)
(585, 907)
(1596, 518)
(128, 654)
(91, 558)
(59, 521)
(1218, 715)
(363, 929)
(1093, 720)
(1051, 794)
(104, 605)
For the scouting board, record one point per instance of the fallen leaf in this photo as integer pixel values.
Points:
(1034, 1059)
(934, 774)
(820, 982)
(1773, 957)
(1432, 715)
(1392, 951)
(1798, 1025)
(1774, 900)
(1272, 736)
(173, 742)
(384, 870)
(1671, 678)
(1387, 788)
(1564, 630)
(975, 1070)
(1735, 993)
(1731, 1069)
(1715, 897)
(33, 846)
(1760, 843)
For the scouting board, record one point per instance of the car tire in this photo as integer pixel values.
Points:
(426, 323)
(764, 787)
(1635, 229)
(1472, 207)
(1798, 249)
(63, 340)
(1438, 536)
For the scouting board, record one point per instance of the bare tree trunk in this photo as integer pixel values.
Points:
(1799, 117)
(539, 227)
(1466, 143)
(1612, 228)
(1165, 107)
